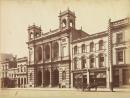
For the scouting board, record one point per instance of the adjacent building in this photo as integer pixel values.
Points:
(8, 70)
(121, 52)
(22, 72)
(13, 71)
(103, 57)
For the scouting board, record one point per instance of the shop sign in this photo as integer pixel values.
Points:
(101, 75)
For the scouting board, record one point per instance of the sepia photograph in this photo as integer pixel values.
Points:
(64, 48)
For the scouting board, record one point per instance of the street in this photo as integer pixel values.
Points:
(47, 93)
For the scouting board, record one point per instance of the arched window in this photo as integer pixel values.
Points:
(24, 69)
(71, 23)
(100, 44)
(91, 47)
(55, 50)
(39, 54)
(31, 35)
(91, 61)
(83, 61)
(64, 23)
(75, 50)
(83, 48)
(47, 52)
(75, 63)
(21, 68)
(101, 60)
(64, 75)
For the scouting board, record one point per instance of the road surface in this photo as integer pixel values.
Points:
(42, 93)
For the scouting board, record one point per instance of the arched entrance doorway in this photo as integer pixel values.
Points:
(46, 78)
(55, 78)
(39, 81)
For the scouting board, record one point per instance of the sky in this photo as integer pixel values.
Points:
(17, 15)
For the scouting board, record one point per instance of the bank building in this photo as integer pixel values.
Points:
(68, 57)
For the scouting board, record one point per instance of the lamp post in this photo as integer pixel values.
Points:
(110, 56)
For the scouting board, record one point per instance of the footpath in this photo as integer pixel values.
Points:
(71, 89)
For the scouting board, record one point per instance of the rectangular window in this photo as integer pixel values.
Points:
(91, 62)
(64, 51)
(120, 56)
(119, 37)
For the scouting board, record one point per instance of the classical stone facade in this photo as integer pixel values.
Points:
(50, 53)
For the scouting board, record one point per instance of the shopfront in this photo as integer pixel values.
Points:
(99, 77)
(79, 79)
(126, 76)
(116, 78)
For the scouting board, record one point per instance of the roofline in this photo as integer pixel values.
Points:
(39, 38)
(92, 36)
(22, 59)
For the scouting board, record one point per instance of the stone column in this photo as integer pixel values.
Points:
(120, 77)
(72, 80)
(59, 42)
(107, 78)
(50, 85)
(88, 78)
(43, 53)
(96, 61)
(88, 67)
(19, 82)
(23, 83)
(42, 77)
